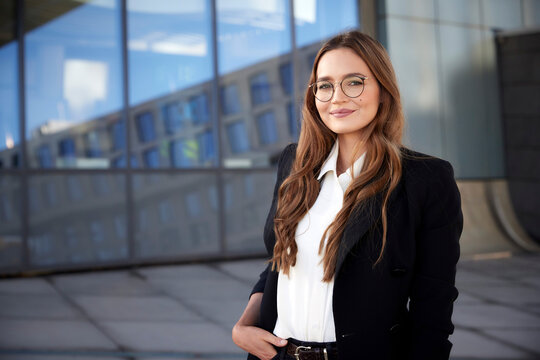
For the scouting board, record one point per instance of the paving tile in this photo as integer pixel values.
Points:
(225, 312)
(169, 336)
(247, 270)
(153, 308)
(43, 356)
(203, 288)
(36, 306)
(492, 316)
(469, 344)
(52, 334)
(516, 295)
(194, 272)
(526, 338)
(26, 286)
(118, 283)
(465, 298)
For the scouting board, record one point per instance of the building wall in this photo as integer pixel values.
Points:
(519, 63)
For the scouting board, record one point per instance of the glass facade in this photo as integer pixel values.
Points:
(73, 81)
(9, 90)
(76, 219)
(164, 146)
(158, 148)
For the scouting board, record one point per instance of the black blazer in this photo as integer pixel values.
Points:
(402, 307)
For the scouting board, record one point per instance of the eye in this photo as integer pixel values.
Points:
(355, 82)
(324, 85)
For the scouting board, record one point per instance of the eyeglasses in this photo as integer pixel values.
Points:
(352, 86)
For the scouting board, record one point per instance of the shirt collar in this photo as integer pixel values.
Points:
(330, 163)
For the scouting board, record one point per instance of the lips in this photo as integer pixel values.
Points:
(339, 113)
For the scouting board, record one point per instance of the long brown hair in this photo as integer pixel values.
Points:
(381, 171)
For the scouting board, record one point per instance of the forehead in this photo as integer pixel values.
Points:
(339, 62)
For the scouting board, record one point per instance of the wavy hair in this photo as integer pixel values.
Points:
(380, 173)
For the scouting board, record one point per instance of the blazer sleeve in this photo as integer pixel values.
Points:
(284, 164)
(433, 288)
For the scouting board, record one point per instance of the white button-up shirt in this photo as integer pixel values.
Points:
(304, 301)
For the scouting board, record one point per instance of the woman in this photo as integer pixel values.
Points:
(362, 232)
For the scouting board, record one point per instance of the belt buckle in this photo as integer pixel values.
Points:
(297, 351)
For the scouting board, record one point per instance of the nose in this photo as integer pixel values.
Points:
(338, 95)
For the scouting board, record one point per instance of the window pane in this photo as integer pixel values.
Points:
(256, 80)
(251, 31)
(73, 80)
(10, 222)
(316, 20)
(170, 74)
(76, 219)
(174, 216)
(9, 107)
(247, 209)
(267, 128)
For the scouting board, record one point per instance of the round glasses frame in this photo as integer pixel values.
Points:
(315, 87)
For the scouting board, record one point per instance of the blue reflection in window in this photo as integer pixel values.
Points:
(286, 77)
(66, 147)
(207, 148)
(238, 138)
(76, 64)
(74, 188)
(44, 156)
(193, 204)
(266, 124)
(173, 117)
(319, 19)
(184, 152)
(200, 110)
(165, 211)
(250, 32)
(9, 111)
(260, 89)
(170, 46)
(292, 120)
(15, 160)
(118, 135)
(151, 158)
(230, 101)
(93, 146)
(145, 127)
(120, 162)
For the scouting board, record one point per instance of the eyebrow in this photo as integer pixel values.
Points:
(324, 78)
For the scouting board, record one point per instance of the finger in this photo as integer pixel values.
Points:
(275, 340)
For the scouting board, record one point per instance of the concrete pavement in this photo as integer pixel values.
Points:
(187, 311)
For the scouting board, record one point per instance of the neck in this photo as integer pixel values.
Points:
(347, 144)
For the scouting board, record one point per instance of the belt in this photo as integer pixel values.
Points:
(300, 350)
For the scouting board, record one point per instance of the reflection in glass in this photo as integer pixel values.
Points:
(81, 224)
(267, 128)
(316, 20)
(247, 209)
(73, 80)
(170, 56)
(260, 89)
(10, 221)
(238, 137)
(230, 100)
(250, 32)
(174, 215)
(9, 108)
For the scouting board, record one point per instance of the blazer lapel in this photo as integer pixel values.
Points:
(361, 221)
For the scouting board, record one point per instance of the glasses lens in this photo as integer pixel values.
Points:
(353, 86)
(323, 90)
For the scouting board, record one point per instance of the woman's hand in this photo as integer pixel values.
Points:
(256, 341)
(251, 338)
